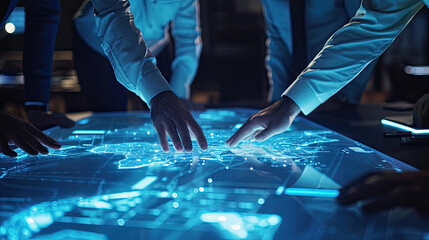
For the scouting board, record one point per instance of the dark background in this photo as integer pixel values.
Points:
(232, 68)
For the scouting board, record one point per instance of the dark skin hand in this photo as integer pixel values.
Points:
(44, 120)
(381, 191)
(268, 122)
(23, 135)
(170, 116)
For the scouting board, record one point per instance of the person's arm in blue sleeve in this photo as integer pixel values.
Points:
(133, 63)
(187, 36)
(135, 68)
(375, 26)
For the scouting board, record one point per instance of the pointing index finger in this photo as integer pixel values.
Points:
(246, 130)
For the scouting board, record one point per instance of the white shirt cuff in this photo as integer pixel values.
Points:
(151, 85)
(303, 96)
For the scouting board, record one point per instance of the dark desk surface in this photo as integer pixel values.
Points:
(363, 125)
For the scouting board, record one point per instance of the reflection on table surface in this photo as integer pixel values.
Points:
(111, 180)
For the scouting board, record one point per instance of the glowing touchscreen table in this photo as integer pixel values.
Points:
(112, 181)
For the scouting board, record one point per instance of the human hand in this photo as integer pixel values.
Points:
(193, 106)
(268, 122)
(24, 135)
(44, 120)
(380, 191)
(170, 116)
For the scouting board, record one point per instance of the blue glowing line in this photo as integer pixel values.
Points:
(403, 127)
(144, 183)
(92, 132)
(312, 192)
(280, 190)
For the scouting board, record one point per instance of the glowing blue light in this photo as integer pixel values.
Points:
(209, 180)
(89, 132)
(15, 24)
(121, 195)
(83, 121)
(403, 127)
(95, 204)
(274, 220)
(261, 201)
(162, 194)
(175, 204)
(280, 190)
(312, 192)
(144, 183)
(121, 222)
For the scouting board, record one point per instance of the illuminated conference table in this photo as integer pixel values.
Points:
(111, 180)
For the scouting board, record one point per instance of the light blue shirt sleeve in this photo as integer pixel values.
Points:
(187, 35)
(375, 26)
(136, 69)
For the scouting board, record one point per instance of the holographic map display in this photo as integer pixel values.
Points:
(111, 180)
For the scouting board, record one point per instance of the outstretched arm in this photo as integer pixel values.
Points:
(135, 68)
(345, 55)
(368, 34)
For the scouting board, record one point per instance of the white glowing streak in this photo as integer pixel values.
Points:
(144, 183)
(403, 127)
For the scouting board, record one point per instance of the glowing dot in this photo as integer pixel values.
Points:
(263, 224)
(201, 189)
(175, 204)
(9, 27)
(121, 222)
(174, 195)
(227, 167)
(221, 218)
(251, 168)
(273, 220)
(261, 201)
(209, 180)
(148, 133)
(163, 194)
(235, 227)
(30, 220)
